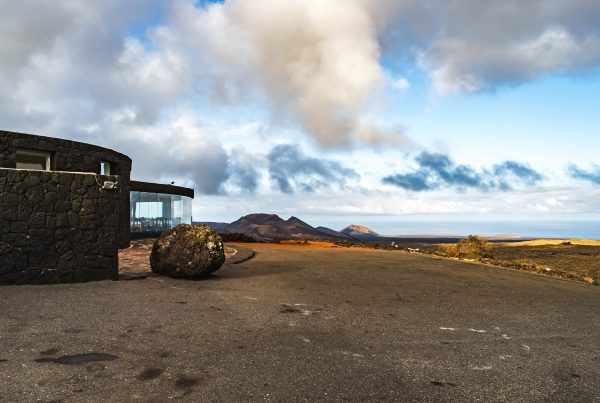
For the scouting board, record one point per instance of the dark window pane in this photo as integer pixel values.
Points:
(33, 160)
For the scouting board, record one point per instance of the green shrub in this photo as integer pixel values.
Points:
(472, 247)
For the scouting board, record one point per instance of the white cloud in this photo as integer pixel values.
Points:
(401, 84)
(480, 46)
(316, 63)
(73, 69)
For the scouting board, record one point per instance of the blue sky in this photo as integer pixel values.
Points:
(377, 112)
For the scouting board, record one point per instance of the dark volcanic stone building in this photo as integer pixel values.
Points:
(65, 209)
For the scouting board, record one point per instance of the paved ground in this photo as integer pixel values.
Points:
(318, 325)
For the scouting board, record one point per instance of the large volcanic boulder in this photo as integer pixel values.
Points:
(187, 251)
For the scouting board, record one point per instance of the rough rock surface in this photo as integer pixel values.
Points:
(187, 251)
(58, 227)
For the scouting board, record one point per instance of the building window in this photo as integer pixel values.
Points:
(32, 159)
(106, 168)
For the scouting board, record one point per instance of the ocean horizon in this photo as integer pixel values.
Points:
(520, 228)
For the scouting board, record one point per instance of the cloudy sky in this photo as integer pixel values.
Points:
(377, 112)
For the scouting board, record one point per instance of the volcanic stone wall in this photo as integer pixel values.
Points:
(58, 227)
(73, 156)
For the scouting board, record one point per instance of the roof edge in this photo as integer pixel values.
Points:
(139, 186)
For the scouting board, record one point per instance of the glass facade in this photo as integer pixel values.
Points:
(156, 212)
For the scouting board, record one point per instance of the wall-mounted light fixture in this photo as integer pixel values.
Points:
(108, 185)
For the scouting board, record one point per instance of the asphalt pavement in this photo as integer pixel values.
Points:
(294, 324)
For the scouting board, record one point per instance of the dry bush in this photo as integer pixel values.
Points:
(472, 247)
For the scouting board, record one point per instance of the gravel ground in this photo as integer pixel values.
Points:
(295, 324)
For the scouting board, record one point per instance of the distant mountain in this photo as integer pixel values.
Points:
(217, 226)
(330, 231)
(360, 232)
(265, 227)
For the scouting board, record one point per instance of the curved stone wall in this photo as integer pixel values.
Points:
(68, 156)
(73, 156)
(58, 227)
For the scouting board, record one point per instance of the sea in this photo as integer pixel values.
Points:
(577, 228)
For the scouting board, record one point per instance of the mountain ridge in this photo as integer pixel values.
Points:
(266, 227)
(360, 231)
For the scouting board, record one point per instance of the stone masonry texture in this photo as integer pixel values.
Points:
(57, 227)
(73, 156)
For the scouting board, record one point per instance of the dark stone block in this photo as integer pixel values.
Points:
(61, 234)
(90, 179)
(25, 208)
(9, 201)
(66, 276)
(62, 247)
(44, 207)
(21, 175)
(31, 275)
(23, 217)
(112, 221)
(62, 192)
(50, 197)
(73, 219)
(7, 263)
(90, 249)
(55, 176)
(107, 247)
(78, 189)
(17, 188)
(4, 226)
(88, 206)
(106, 208)
(90, 236)
(62, 220)
(62, 206)
(35, 194)
(37, 220)
(16, 240)
(42, 257)
(11, 176)
(14, 277)
(45, 177)
(93, 192)
(50, 221)
(81, 261)
(31, 181)
(89, 222)
(40, 238)
(20, 258)
(8, 214)
(76, 204)
(67, 262)
(48, 275)
(65, 180)
(19, 227)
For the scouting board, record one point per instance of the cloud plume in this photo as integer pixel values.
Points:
(480, 46)
(439, 171)
(291, 170)
(592, 176)
(316, 61)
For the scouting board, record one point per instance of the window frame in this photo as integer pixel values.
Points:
(34, 153)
